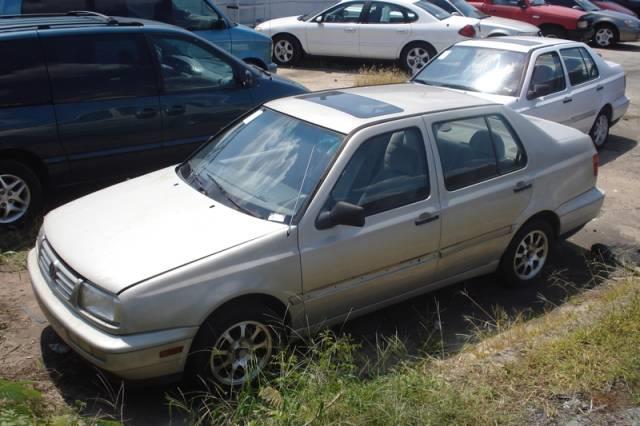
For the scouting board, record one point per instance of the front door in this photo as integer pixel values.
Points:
(386, 170)
(336, 32)
(201, 93)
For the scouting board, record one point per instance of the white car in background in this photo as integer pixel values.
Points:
(406, 30)
(559, 80)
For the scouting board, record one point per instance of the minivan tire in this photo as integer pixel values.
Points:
(16, 175)
(255, 333)
(287, 50)
(528, 253)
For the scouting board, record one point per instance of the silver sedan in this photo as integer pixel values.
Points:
(309, 210)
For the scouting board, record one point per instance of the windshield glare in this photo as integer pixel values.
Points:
(467, 10)
(476, 69)
(432, 9)
(267, 165)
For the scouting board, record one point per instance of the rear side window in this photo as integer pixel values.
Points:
(386, 13)
(101, 66)
(580, 65)
(476, 149)
(23, 76)
(53, 6)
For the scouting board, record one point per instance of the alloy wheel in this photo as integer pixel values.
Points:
(604, 37)
(15, 198)
(600, 130)
(531, 255)
(240, 353)
(417, 57)
(283, 51)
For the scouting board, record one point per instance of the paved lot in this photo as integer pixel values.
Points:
(29, 344)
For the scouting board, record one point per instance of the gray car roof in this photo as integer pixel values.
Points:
(347, 109)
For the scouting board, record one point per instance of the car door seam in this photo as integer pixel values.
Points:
(479, 239)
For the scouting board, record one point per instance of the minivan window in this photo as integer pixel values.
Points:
(23, 76)
(186, 65)
(195, 15)
(100, 66)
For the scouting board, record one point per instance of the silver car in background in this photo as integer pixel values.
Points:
(309, 210)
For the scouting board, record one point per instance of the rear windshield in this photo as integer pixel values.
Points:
(434, 10)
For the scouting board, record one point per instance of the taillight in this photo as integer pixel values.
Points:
(596, 164)
(467, 31)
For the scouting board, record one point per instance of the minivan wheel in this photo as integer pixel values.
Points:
(286, 50)
(527, 253)
(234, 346)
(600, 131)
(20, 193)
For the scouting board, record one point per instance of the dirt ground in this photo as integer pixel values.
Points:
(29, 349)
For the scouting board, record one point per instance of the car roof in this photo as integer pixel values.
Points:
(517, 43)
(344, 110)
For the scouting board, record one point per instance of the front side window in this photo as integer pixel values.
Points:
(547, 76)
(386, 172)
(23, 76)
(493, 71)
(580, 65)
(475, 149)
(385, 13)
(267, 165)
(100, 66)
(345, 14)
(195, 15)
(187, 65)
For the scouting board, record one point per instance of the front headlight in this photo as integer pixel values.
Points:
(583, 24)
(99, 304)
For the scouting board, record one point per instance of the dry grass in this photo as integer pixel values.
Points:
(376, 76)
(14, 246)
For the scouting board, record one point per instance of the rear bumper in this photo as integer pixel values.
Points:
(580, 35)
(580, 210)
(619, 108)
(134, 356)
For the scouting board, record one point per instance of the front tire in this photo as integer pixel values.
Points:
(20, 193)
(605, 36)
(527, 253)
(234, 346)
(600, 131)
(286, 50)
(416, 55)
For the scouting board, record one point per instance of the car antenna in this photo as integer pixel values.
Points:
(304, 178)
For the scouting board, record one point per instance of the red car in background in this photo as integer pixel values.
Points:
(553, 21)
(616, 7)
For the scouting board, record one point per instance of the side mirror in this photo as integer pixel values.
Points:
(522, 4)
(248, 79)
(318, 19)
(539, 90)
(218, 24)
(342, 213)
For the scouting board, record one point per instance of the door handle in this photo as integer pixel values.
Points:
(522, 186)
(146, 113)
(426, 218)
(599, 88)
(350, 30)
(175, 110)
(567, 100)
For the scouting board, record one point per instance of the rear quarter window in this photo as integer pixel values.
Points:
(23, 76)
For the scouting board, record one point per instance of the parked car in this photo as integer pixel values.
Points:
(553, 21)
(616, 7)
(406, 30)
(559, 80)
(308, 211)
(87, 98)
(609, 27)
(490, 26)
(199, 16)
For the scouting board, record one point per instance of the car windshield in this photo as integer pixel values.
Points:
(537, 3)
(586, 5)
(467, 10)
(310, 14)
(267, 165)
(432, 9)
(476, 69)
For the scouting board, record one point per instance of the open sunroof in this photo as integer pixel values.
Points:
(356, 105)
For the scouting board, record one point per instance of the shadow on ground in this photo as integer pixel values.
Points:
(414, 322)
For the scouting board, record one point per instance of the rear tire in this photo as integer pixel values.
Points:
(20, 193)
(287, 50)
(600, 131)
(415, 55)
(527, 254)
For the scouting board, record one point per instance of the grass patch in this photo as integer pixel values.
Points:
(376, 76)
(15, 245)
(585, 350)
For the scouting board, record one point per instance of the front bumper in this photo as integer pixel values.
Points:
(133, 356)
(628, 34)
(580, 210)
(581, 35)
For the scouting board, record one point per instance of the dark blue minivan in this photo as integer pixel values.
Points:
(85, 97)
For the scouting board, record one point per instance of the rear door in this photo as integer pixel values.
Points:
(200, 91)
(385, 30)
(337, 31)
(106, 101)
(586, 87)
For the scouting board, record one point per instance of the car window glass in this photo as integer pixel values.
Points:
(101, 66)
(433, 10)
(52, 6)
(186, 65)
(509, 151)
(385, 13)
(23, 76)
(592, 69)
(386, 172)
(547, 76)
(505, 2)
(466, 152)
(348, 13)
(577, 67)
(443, 4)
(194, 15)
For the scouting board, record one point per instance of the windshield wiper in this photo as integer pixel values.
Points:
(228, 197)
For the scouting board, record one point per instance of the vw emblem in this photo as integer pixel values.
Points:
(52, 271)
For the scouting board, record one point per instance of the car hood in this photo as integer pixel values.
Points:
(143, 227)
(615, 16)
(509, 24)
(241, 32)
(278, 23)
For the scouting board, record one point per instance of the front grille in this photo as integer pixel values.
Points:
(60, 278)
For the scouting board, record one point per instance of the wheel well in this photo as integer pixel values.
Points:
(266, 300)
(550, 26)
(256, 62)
(30, 160)
(548, 216)
(292, 36)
